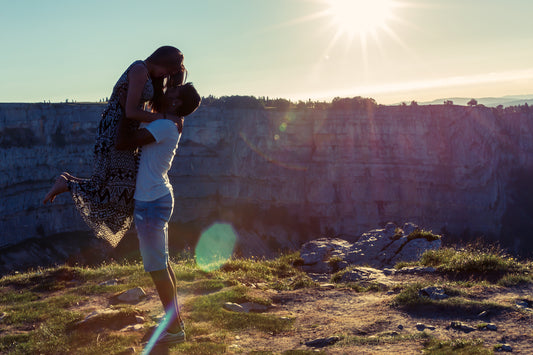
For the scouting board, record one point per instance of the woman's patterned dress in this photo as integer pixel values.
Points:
(105, 201)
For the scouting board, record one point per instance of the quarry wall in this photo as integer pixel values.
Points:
(285, 177)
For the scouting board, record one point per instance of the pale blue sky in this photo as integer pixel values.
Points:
(56, 50)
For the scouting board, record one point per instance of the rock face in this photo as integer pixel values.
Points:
(378, 248)
(284, 177)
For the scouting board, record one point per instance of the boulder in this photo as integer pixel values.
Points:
(131, 296)
(377, 248)
(435, 293)
(234, 307)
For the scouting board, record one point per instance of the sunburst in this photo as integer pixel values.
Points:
(359, 17)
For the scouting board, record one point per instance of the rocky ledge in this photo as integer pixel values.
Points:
(378, 248)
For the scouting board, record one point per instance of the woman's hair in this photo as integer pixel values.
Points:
(171, 58)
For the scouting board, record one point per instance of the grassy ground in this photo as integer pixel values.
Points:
(39, 309)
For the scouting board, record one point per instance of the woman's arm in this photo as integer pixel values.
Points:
(137, 78)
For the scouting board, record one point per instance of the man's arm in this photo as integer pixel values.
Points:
(128, 139)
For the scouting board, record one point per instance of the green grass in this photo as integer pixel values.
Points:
(203, 348)
(455, 347)
(478, 262)
(15, 343)
(381, 339)
(40, 307)
(210, 308)
(280, 273)
(423, 234)
(457, 302)
(32, 311)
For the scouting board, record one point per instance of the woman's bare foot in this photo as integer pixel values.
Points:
(70, 177)
(59, 187)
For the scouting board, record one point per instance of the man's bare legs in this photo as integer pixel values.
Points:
(59, 187)
(165, 284)
(175, 288)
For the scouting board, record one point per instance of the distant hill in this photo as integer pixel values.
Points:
(509, 100)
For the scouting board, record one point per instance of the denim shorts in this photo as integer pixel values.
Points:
(151, 221)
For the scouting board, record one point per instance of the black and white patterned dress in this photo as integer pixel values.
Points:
(105, 200)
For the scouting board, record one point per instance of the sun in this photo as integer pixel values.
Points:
(359, 17)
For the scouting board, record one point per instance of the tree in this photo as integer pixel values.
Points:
(472, 102)
(354, 103)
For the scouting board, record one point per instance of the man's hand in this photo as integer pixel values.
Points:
(178, 121)
(128, 139)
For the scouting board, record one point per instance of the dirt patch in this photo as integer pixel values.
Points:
(365, 322)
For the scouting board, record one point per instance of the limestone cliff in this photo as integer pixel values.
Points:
(289, 176)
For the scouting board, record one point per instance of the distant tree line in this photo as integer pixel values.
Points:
(265, 102)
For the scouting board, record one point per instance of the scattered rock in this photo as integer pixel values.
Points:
(523, 304)
(319, 277)
(134, 327)
(388, 271)
(234, 307)
(367, 276)
(326, 286)
(435, 293)
(2, 315)
(400, 327)
(416, 270)
(131, 296)
(246, 307)
(158, 318)
(322, 342)
(491, 326)
(254, 307)
(462, 327)
(504, 347)
(421, 327)
(139, 319)
(107, 318)
(113, 282)
(483, 314)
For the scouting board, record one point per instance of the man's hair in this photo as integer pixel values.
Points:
(190, 99)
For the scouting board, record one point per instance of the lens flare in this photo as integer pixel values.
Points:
(215, 246)
(155, 335)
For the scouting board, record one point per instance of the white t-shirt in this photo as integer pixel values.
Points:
(156, 160)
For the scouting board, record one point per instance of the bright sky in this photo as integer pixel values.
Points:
(391, 50)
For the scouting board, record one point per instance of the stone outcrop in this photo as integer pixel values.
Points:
(284, 177)
(378, 248)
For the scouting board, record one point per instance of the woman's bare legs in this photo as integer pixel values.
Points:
(59, 187)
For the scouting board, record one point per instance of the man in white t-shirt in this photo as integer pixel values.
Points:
(154, 200)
